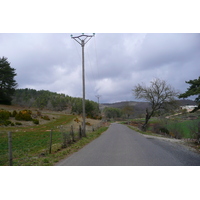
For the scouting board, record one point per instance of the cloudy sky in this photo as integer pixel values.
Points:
(114, 62)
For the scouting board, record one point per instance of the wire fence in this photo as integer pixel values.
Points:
(18, 147)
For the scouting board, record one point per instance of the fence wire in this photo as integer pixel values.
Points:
(27, 146)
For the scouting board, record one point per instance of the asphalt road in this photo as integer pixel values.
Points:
(121, 146)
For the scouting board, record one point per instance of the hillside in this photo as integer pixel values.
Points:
(45, 99)
(140, 107)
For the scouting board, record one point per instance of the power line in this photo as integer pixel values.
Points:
(96, 59)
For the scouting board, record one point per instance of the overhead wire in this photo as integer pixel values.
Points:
(97, 63)
(77, 50)
(96, 56)
(90, 70)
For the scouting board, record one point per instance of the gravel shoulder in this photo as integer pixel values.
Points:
(183, 142)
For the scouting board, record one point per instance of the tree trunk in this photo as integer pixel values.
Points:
(147, 118)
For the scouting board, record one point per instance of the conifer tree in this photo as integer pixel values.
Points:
(7, 82)
(194, 89)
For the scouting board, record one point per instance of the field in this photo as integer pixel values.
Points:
(31, 142)
(177, 126)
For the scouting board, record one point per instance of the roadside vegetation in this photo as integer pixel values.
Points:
(182, 126)
(31, 141)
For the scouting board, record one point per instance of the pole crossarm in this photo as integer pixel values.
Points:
(82, 39)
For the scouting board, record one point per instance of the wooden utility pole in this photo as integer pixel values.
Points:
(98, 96)
(10, 148)
(82, 40)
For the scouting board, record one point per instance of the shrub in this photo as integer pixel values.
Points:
(45, 117)
(18, 123)
(7, 122)
(35, 121)
(164, 130)
(24, 115)
(4, 114)
(39, 113)
(88, 124)
(77, 120)
(14, 113)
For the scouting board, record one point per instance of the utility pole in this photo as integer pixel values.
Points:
(98, 96)
(82, 40)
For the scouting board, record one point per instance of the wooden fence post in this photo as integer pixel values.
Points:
(64, 140)
(10, 148)
(50, 144)
(72, 133)
(80, 131)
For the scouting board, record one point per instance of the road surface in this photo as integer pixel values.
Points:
(122, 146)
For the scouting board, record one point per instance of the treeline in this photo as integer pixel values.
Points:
(45, 99)
(110, 112)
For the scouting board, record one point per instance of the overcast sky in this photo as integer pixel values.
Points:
(114, 62)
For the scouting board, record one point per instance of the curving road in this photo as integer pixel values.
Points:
(121, 146)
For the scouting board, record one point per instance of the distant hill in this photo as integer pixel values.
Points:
(44, 99)
(140, 107)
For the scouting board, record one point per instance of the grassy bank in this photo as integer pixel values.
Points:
(182, 126)
(52, 159)
(31, 144)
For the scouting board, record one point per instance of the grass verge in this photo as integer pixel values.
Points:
(36, 155)
(143, 132)
(30, 142)
(52, 159)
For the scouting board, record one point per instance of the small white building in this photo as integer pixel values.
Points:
(189, 107)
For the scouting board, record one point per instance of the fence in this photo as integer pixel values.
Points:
(19, 147)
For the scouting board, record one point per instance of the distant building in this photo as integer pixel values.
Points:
(188, 107)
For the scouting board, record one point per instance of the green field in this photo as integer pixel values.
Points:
(179, 126)
(31, 144)
(186, 129)
(33, 141)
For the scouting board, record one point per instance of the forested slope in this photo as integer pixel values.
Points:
(45, 99)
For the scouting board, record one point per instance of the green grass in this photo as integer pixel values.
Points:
(176, 127)
(31, 144)
(51, 159)
(186, 129)
(31, 141)
(143, 132)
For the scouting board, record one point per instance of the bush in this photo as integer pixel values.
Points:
(45, 117)
(7, 123)
(164, 130)
(77, 120)
(18, 123)
(88, 124)
(4, 114)
(35, 121)
(24, 115)
(14, 113)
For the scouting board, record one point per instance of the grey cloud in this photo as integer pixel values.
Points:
(114, 63)
(161, 49)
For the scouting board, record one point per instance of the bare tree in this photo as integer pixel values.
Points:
(159, 94)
